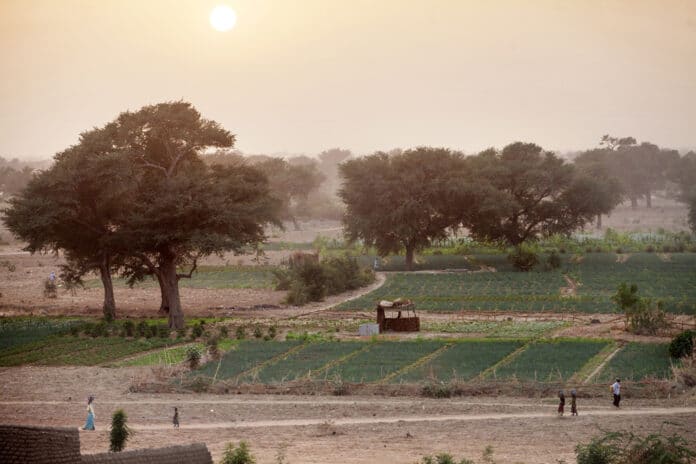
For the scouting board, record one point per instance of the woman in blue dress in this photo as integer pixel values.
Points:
(89, 425)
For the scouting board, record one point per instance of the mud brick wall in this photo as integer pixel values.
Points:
(403, 324)
(39, 445)
(191, 454)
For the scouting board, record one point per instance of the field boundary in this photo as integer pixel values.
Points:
(419, 362)
(267, 362)
(506, 360)
(615, 348)
(130, 357)
(341, 360)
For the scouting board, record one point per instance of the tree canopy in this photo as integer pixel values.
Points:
(526, 192)
(401, 201)
(138, 189)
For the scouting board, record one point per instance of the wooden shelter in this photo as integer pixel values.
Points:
(398, 315)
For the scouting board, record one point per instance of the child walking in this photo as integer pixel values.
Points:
(89, 424)
(561, 402)
(573, 403)
(175, 420)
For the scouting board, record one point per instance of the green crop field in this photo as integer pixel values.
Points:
(23, 331)
(546, 361)
(170, 355)
(507, 290)
(58, 351)
(214, 277)
(382, 359)
(463, 361)
(245, 356)
(669, 281)
(310, 358)
(638, 360)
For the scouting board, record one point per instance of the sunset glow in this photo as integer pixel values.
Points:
(223, 18)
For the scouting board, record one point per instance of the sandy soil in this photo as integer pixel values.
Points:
(322, 429)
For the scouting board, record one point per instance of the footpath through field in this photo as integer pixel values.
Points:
(410, 419)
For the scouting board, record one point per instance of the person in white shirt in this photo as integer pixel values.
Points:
(616, 390)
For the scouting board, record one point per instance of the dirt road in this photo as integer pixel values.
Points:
(317, 429)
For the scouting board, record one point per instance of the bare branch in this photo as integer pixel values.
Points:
(194, 266)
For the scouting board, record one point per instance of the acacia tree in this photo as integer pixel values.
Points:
(641, 168)
(401, 201)
(183, 209)
(608, 191)
(526, 192)
(72, 206)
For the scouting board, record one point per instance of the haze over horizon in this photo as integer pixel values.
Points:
(304, 76)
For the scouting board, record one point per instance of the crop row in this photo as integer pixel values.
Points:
(556, 360)
(55, 351)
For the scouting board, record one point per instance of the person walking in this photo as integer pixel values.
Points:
(561, 402)
(175, 420)
(573, 403)
(89, 425)
(616, 390)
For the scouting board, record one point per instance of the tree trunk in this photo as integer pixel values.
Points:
(634, 202)
(164, 303)
(409, 258)
(171, 289)
(648, 199)
(599, 221)
(109, 306)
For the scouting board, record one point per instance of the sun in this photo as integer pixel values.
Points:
(223, 18)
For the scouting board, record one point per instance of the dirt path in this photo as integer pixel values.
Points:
(599, 368)
(408, 419)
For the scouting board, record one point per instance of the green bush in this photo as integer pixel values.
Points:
(129, 328)
(258, 333)
(240, 333)
(238, 455)
(120, 433)
(163, 331)
(444, 458)
(224, 331)
(309, 280)
(143, 329)
(193, 357)
(523, 258)
(272, 332)
(627, 448)
(553, 261)
(682, 345)
(197, 330)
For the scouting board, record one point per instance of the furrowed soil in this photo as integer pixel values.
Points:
(329, 429)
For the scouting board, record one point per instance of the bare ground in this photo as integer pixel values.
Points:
(323, 429)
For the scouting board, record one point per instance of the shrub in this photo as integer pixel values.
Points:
(120, 433)
(224, 331)
(193, 357)
(100, 330)
(143, 329)
(627, 448)
(238, 455)
(682, 345)
(310, 280)
(50, 289)
(444, 458)
(258, 333)
(163, 331)
(181, 333)
(272, 332)
(213, 349)
(197, 330)
(436, 390)
(129, 328)
(553, 261)
(523, 258)
(75, 330)
(240, 333)
(649, 317)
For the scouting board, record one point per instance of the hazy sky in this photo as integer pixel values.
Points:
(304, 75)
